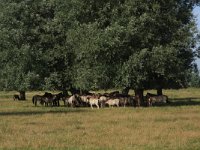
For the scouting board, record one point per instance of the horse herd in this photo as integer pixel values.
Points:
(97, 100)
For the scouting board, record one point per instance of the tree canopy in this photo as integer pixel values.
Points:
(88, 44)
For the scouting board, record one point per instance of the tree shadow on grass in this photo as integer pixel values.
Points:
(41, 112)
(188, 101)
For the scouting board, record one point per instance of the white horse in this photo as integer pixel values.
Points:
(71, 101)
(93, 101)
(113, 102)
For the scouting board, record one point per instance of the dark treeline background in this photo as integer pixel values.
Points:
(91, 44)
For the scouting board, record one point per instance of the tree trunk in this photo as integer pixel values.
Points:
(125, 91)
(22, 95)
(78, 91)
(65, 92)
(139, 97)
(159, 91)
(81, 92)
(73, 91)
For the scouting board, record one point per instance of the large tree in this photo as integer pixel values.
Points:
(135, 44)
(24, 26)
(87, 44)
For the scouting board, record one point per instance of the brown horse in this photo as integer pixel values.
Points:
(38, 98)
(152, 98)
(16, 97)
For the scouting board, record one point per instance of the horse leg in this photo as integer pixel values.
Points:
(35, 102)
(101, 105)
(151, 103)
(97, 106)
(91, 105)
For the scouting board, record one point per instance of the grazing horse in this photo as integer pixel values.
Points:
(16, 97)
(113, 102)
(152, 98)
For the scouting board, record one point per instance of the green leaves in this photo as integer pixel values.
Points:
(91, 44)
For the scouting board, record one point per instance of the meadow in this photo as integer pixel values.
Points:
(173, 126)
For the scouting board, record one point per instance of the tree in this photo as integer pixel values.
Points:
(144, 45)
(22, 25)
(87, 44)
(194, 77)
(164, 54)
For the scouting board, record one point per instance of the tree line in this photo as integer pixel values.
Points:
(194, 78)
(81, 45)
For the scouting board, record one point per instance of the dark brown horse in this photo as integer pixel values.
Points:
(16, 97)
(38, 98)
(48, 99)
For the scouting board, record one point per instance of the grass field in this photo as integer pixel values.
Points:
(175, 126)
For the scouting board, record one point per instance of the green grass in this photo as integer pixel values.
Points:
(174, 126)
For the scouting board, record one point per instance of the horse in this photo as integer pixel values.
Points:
(16, 97)
(57, 98)
(113, 102)
(84, 100)
(52, 99)
(102, 100)
(48, 101)
(45, 99)
(72, 101)
(37, 98)
(93, 101)
(152, 98)
(136, 101)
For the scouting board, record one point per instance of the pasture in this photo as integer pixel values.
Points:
(174, 126)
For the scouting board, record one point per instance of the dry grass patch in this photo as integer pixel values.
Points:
(25, 126)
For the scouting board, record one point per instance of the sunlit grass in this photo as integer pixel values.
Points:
(24, 126)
